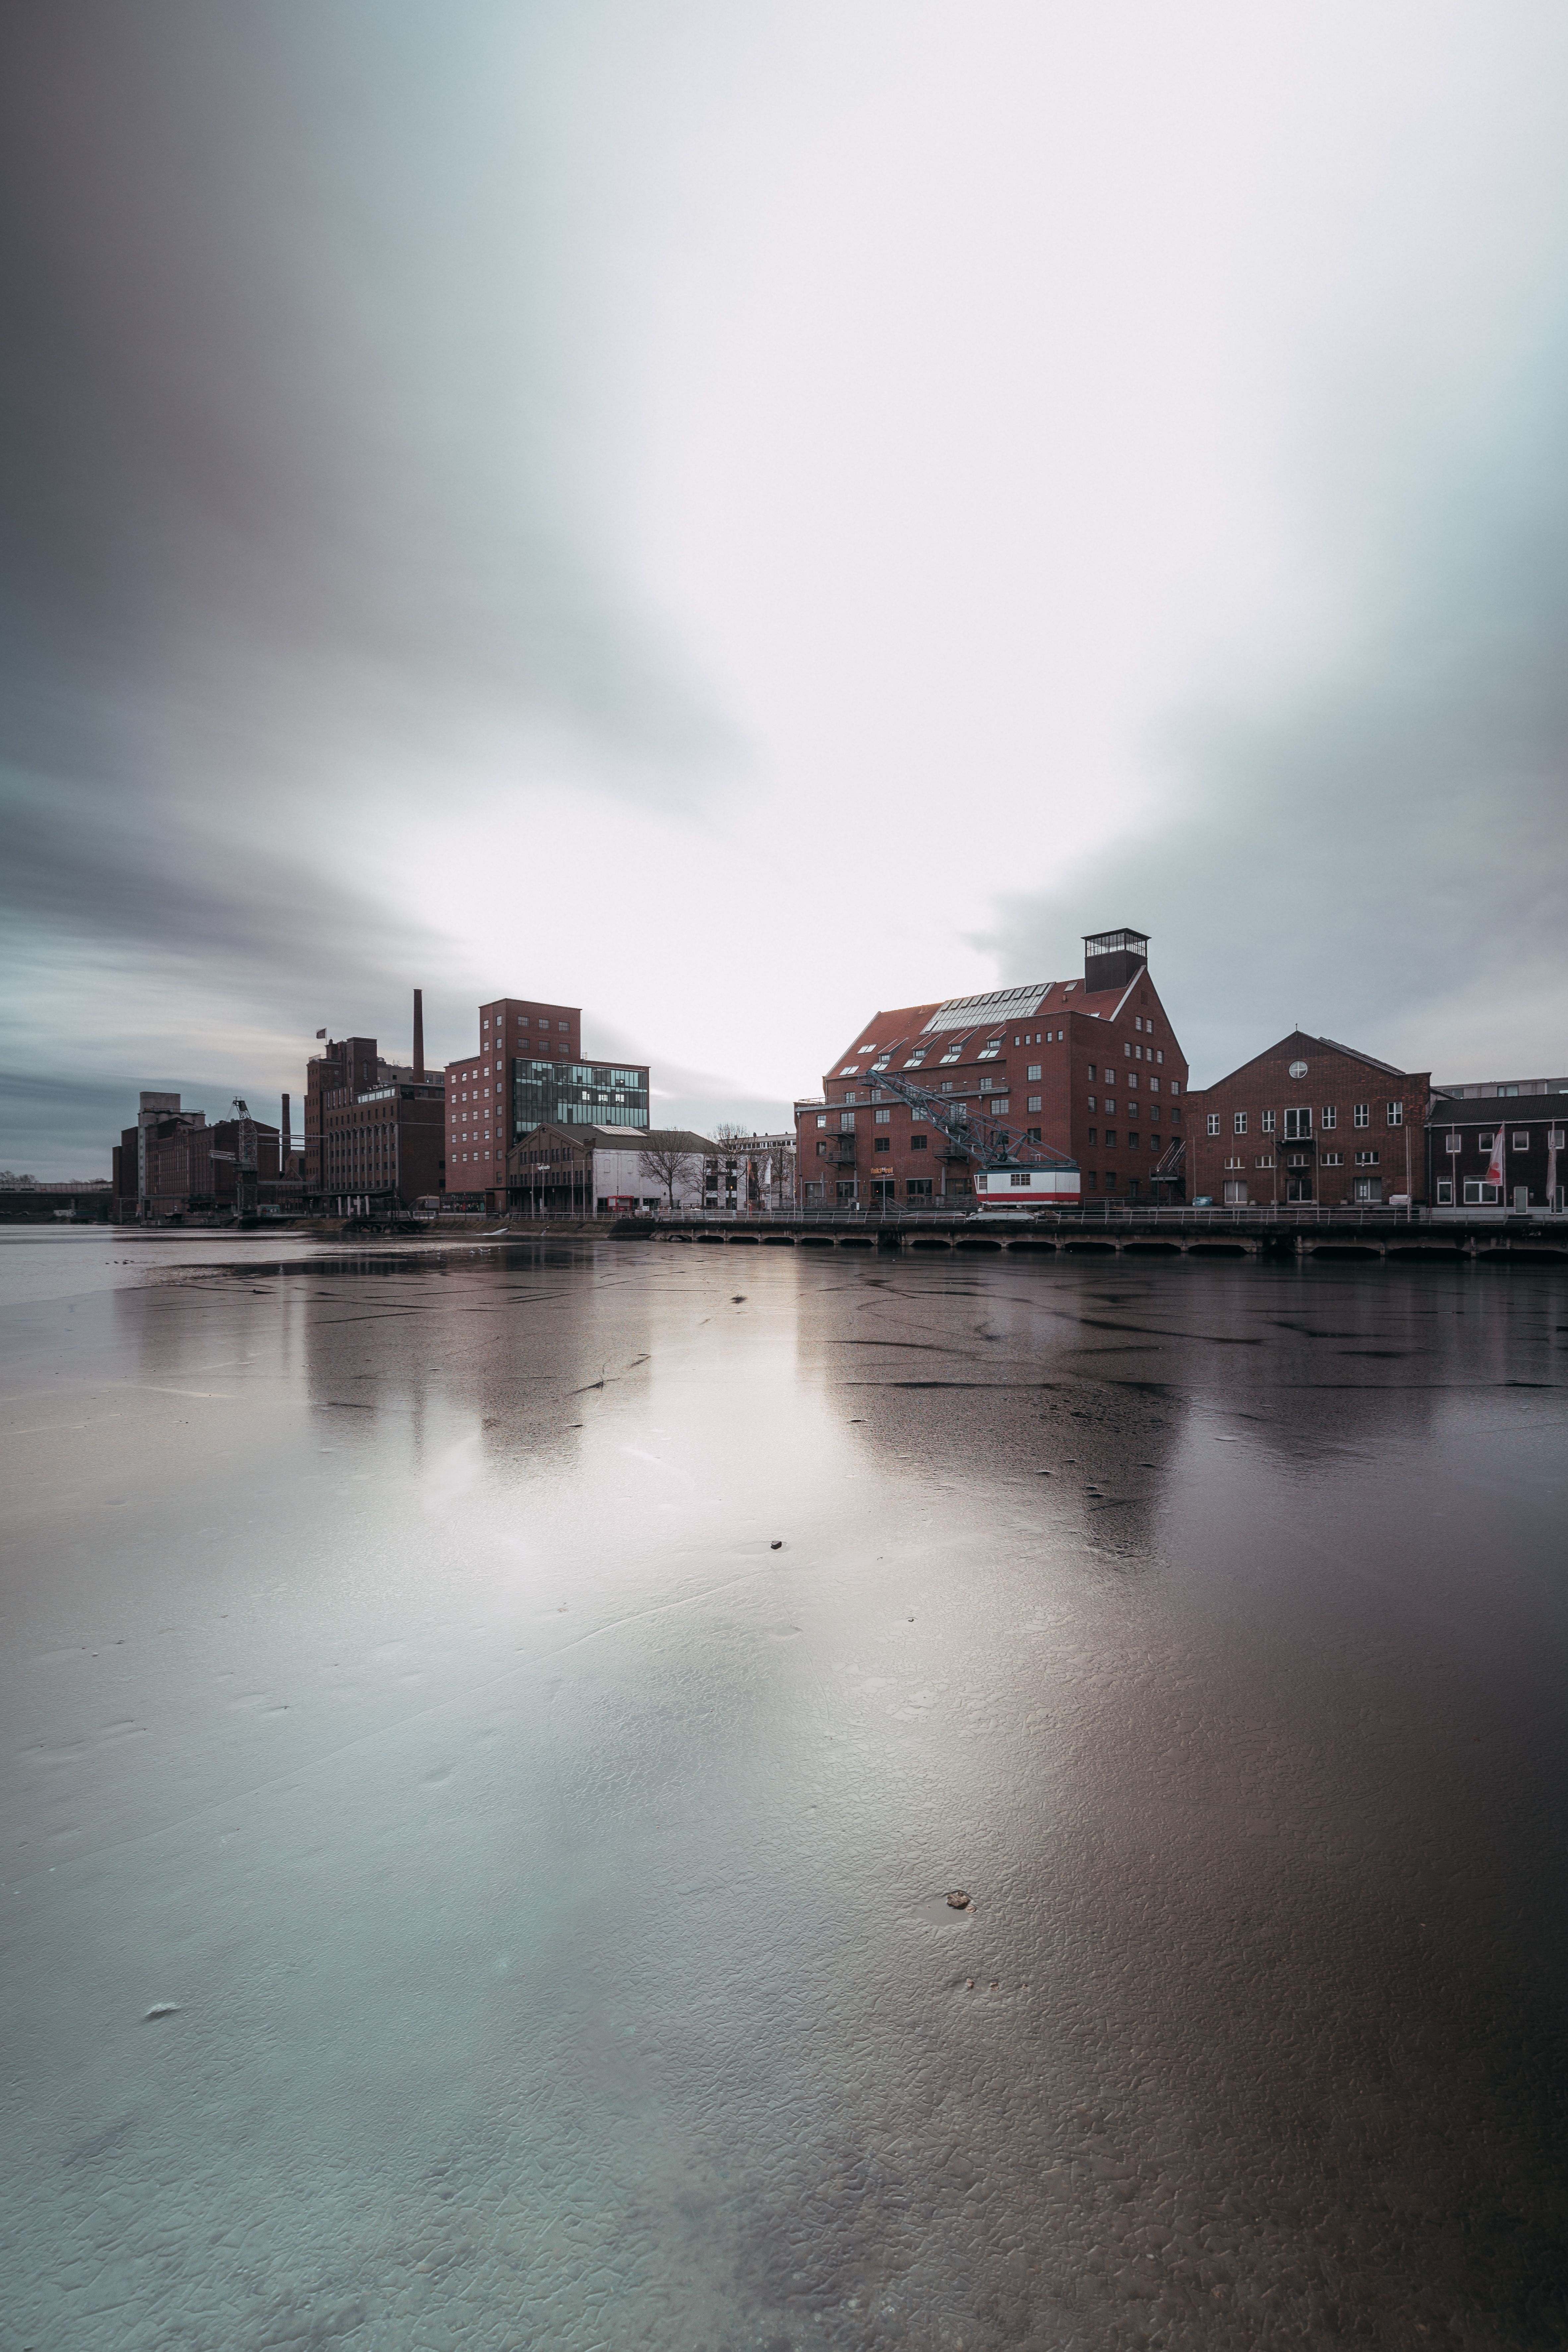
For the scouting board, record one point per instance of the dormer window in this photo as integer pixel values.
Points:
(881, 1062)
(989, 1051)
(953, 1053)
(916, 1058)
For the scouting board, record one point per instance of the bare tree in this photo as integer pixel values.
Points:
(668, 1164)
(727, 1132)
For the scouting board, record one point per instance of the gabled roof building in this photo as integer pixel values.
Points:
(1089, 1066)
(1310, 1121)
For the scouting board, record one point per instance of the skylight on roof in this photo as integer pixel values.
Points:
(1002, 1004)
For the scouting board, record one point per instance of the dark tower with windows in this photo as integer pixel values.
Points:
(1111, 959)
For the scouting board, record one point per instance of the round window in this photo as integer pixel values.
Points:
(1298, 1069)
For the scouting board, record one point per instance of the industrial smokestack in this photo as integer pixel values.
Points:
(419, 1033)
(285, 1144)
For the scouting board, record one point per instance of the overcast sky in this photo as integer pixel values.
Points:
(735, 516)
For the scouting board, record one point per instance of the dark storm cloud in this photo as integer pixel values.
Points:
(1379, 853)
(287, 459)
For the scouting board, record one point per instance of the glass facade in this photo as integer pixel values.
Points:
(576, 1094)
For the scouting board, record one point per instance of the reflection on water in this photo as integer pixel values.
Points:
(492, 1735)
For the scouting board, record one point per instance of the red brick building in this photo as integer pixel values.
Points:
(172, 1164)
(1089, 1066)
(527, 1074)
(374, 1130)
(1310, 1121)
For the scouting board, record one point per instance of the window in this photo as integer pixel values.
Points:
(1154, 1085)
(1131, 1078)
(1367, 1159)
(1109, 1180)
(1091, 1103)
(1033, 1102)
(1268, 1122)
(1032, 1133)
(1000, 1106)
(1521, 1139)
(1397, 1114)
(1214, 1123)
(1297, 1124)
(1160, 1056)
(1109, 1138)
(1091, 1074)
(916, 1058)
(881, 1118)
(1089, 1180)
(1444, 1191)
(1264, 1160)
(919, 1188)
(1093, 1138)
(1137, 1021)
(917, 1143)
(1033, 1072)
(882, 1143)
(847, 1191)
(1127, 1050)
(1132, 1140)
(850, 1070)
(822, 1118)
(846, 1122)
(1362, 1116)
(1235, 1194)
(822, 1150)
(1333, 1159)
(1330, 1118)
(1238, 1123)
(1153, 1110)
(1453, 1143)
(1479, 1194)
(953, 1055)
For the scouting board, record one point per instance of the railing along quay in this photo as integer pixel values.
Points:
(1298, 1229)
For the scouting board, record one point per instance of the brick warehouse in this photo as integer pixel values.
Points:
(1310, 1121)
(1090, 1067)
(372, 1127)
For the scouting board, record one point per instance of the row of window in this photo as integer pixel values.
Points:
(1298, 1121)
(1518, 1141)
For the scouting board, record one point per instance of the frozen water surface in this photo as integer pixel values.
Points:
(465, 1887)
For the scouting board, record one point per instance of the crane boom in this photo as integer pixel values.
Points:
(987, 1140)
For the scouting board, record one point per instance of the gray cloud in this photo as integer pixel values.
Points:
(1378, 853)
(290, 460)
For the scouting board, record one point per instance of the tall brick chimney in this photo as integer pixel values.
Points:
(285, 1141)
(419, 1033)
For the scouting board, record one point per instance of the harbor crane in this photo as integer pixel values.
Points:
(1014, 1170)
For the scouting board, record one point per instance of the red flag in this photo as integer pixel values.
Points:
(1494, 1165)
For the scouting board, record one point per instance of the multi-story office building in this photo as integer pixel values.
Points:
(1309, 1120)
(529, 1073)
(750, 1173)
(1090, 1067)
(1462, 1130)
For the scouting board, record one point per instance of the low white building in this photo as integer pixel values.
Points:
(605, 1170)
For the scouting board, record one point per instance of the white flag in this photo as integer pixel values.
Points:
(1494, 1165)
